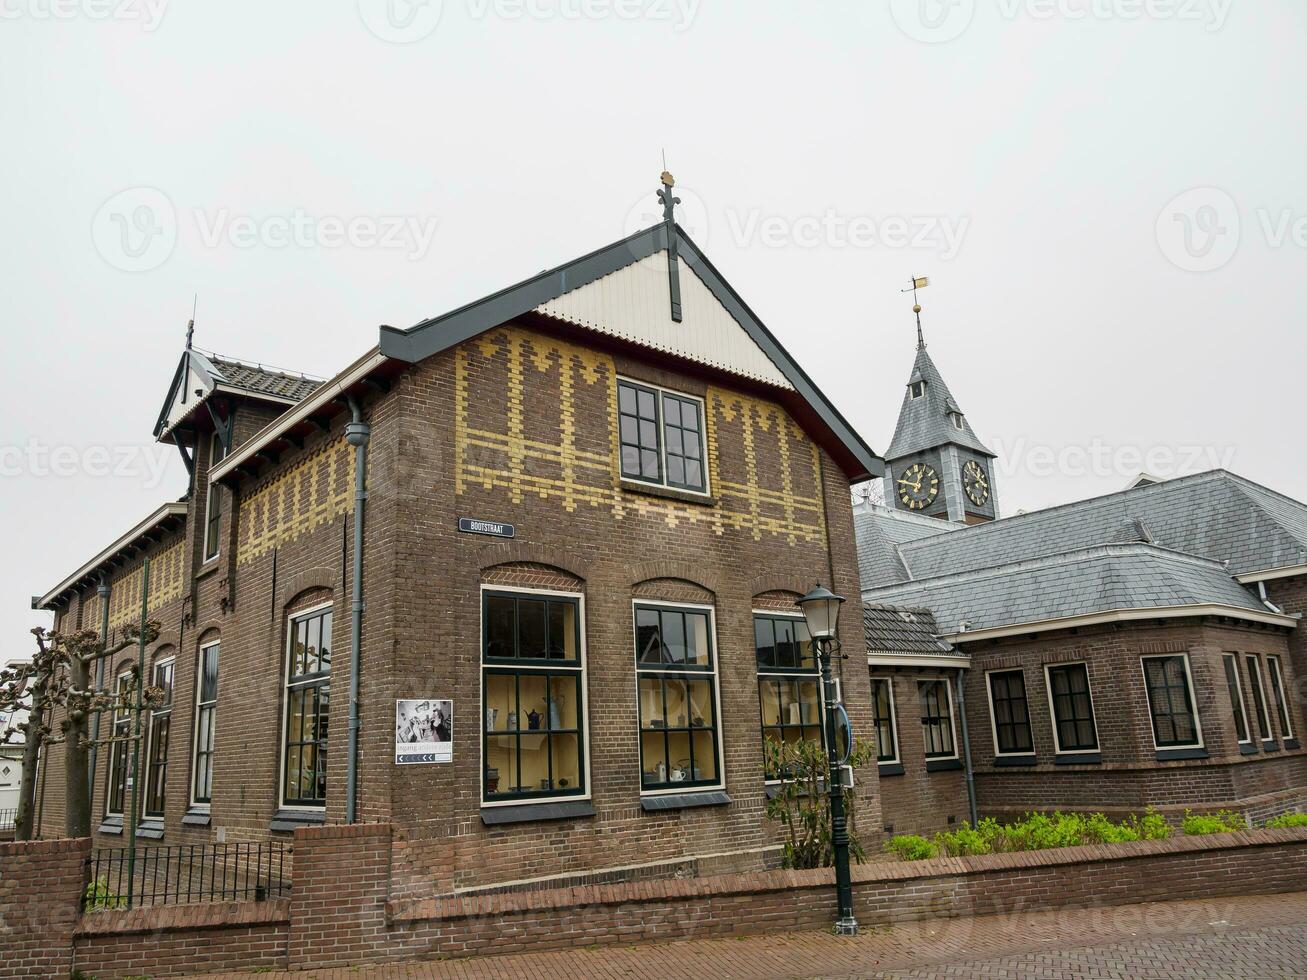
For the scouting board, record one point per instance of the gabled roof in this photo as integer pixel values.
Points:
(1113, 582)
(924, 422)
(718, 330)
(206, 373)
(880, 531)
(1216, 514)
(902, 630)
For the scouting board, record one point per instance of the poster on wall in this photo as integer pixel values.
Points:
(424, 731)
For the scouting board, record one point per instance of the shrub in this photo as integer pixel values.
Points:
(99, 896)
(801, 804)
(1287, 820)
(961, 842)
(910, 847)
(1221, 822)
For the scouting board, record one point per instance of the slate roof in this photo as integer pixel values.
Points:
(1216, 514)
(903, 630)
(880, 531)
(261, 380)
(1079, 583)
(924, 422)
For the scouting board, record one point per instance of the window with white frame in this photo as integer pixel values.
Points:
(1171, 702)
(1237, 708)
(119, 757)
(917, 389)
(213, 502)
(662, 436)
(533, 696)
(882, 715)
(156, 753)
(937, 719)
(789, 686)
(1010, 713)
(1277, 695)
(206, 710)
(1259, 697)
(308, 708)
(676, 678)
(1072, 706)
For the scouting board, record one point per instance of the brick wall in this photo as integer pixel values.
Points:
(41, 884)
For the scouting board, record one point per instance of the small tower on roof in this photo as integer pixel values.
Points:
(936, 464)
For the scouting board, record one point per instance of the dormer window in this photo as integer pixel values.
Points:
(917, 389)
(956, 419)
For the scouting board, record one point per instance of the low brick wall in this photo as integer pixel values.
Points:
(340, 911)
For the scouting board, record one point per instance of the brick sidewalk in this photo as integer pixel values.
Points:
(1260, 937)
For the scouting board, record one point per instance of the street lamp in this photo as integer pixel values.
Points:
(821, 610)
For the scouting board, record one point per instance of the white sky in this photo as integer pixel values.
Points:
(1038, 159)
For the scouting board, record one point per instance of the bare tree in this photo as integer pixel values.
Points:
(59, 677)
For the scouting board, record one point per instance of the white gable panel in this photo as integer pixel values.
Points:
(184, 398)
(633, 304)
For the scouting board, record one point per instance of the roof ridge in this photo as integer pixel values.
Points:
(259, 366)
(1244, 484)
(1074, 556)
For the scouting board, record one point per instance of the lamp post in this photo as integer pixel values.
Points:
(821, 610)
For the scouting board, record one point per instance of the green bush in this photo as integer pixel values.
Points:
(1035, 832)
(910, 847)
(1221, 822)
(1287, 820)
(99, 896)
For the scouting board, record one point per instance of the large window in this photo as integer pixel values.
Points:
(1171, 702)
(676, 674)
(661, 437)
(308, 708)
(937, 719)
(1010, 712)
(789, 688)
(206, 708)
(1277, 696)
(1072, 706)
(213, 502)
(534, 717)
(156, 766)
(1259, 697)
(1235, 687)
(882, 710)
(119, 755)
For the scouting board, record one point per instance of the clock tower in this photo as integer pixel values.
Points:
(936, 465)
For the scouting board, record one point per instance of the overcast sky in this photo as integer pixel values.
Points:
(1108, 197)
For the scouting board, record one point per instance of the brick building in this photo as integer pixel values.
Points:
(520, 580)
(1141, 648)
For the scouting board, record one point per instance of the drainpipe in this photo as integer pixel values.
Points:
(966, 746)
(102, 590)
(357, 434)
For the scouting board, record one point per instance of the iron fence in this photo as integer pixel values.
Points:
(185, 873)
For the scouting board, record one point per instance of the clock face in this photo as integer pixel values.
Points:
(975, 483)
(918, 486)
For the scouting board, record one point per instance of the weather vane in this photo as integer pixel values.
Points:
(918, 282)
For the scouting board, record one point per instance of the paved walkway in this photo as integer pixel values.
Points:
(1261, 937)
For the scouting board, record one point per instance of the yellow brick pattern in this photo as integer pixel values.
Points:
(167, 582)
(315, 491)
(502, 457)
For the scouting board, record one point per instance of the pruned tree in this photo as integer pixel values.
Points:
(59, 677)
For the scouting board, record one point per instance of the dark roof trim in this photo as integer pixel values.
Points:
(437, 334)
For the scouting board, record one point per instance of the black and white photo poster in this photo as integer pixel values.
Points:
(424, 731)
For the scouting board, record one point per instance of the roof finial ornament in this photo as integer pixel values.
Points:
(190, 327)
(918, 282)
(669, 227)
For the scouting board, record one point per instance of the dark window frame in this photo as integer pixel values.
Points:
(774, 675)
(156, 747)
(550, 669)
(1069, 699)
(1012, 726)
(206, 714)
(1275, 672)
(889, 722)
(664, 428)
(663, 672)
(937, 726)
(213, 503)
(301, 685)
(1167, 714)
(117, 772)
